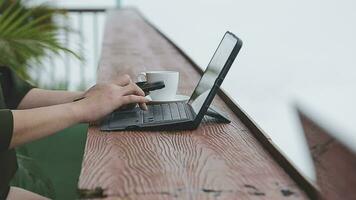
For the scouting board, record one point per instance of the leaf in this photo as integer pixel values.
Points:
(29, 34)
(13, 13)
(18, 22)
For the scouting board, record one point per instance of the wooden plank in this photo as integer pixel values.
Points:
(334, 163)
(216, 161)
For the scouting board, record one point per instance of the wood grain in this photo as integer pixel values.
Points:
(216, 161)
(334, 163)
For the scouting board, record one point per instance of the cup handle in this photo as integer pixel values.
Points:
(141, 77)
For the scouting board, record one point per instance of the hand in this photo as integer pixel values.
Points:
(123, 81)
(102, 99)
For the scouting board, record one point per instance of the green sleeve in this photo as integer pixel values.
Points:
(14, 88)
(6, 128)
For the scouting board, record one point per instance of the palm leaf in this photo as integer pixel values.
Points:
(29, 34)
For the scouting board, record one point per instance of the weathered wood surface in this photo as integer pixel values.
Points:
(216, 161)
(335, 164)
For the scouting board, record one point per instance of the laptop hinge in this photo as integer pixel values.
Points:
(217, 114)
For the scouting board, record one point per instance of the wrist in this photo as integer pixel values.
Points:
(77, 112)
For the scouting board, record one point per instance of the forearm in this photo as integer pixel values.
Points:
(99, 101)
(39, 98)
(33, 124)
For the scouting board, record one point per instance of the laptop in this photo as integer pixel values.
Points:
(181, 115)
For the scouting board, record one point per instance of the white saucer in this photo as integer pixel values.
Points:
(178, 97)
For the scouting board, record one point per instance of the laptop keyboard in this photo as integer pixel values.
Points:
(165, 112)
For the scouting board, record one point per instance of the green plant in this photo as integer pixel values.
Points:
(28, 34)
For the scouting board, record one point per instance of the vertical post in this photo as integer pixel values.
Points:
(95, 39)
(66, 59)
(52, 69)
(38, 75)
(82, 70)
(118, 3)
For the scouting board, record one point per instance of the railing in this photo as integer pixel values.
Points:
(64, 71)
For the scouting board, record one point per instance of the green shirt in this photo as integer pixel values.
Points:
(12, 90)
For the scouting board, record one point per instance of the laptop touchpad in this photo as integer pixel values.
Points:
(125, 118)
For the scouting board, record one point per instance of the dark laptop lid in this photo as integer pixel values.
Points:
(214, 74)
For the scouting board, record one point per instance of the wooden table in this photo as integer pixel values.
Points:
(216, 161)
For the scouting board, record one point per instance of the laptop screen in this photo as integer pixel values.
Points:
(212, 72)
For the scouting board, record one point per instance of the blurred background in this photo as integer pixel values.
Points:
(295, 53)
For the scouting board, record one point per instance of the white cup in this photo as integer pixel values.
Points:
(170, 79)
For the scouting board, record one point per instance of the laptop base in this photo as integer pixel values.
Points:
(177, 125)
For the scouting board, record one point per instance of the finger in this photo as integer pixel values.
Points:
(132, 88)
(133, 99)
(123, 80)
(128, 106)
(143, 106)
